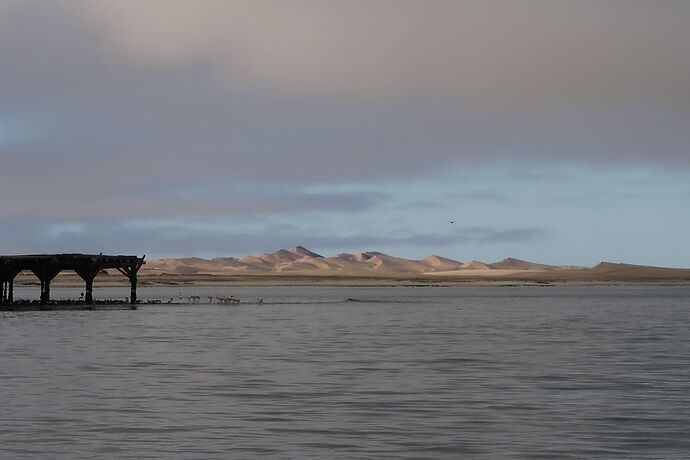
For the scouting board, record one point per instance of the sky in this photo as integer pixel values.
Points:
(550, 130)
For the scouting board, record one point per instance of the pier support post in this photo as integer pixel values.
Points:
(8, 272)
(88, 273)
(46, 273)
(45, 292)
(3, 278)
(133, 289)
(131, 273)
(88, 297)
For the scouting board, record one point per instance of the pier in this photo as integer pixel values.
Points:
(47, 266)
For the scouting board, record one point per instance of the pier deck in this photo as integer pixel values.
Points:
(47, 266)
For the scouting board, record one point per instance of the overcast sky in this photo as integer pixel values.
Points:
(557, 131)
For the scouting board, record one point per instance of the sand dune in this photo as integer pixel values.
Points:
(622, 271)
(517, 264)
(301, 251)
(298, 265)
(299, 261)
(438, 263)
(475, 265)
(303, 260)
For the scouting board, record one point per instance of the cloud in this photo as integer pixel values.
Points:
(184, 238)
(469, 235)
(157, 91)
(483, 195)
(147, 202)
(492, 235)
(473, 50)
(201, 109)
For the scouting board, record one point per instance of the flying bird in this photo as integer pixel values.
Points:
(450, 221)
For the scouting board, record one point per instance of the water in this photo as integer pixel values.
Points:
(462, 372)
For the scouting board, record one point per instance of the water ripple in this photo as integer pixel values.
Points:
(471, 372)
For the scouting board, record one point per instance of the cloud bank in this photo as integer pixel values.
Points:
(165, 109)
(181, 238)
(317, 91)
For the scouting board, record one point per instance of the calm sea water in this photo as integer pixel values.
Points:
(461, 372)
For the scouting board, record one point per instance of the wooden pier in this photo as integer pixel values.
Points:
(47, 266)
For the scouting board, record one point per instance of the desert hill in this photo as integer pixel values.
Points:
(300, 260)
(301, 263)
(475, 265)
(612, 270)
(303, 266)
(301, 251)
(517, 264)
(442, 263)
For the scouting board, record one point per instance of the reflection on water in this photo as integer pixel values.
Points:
(473, 372)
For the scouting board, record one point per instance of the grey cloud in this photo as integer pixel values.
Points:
(470, 235)
(481, 195)
(126, 100)
(592, 200)
(420, 204)
(568, 84)
(493, 235)
(525, 50)
(185, 239)
(146, 202)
